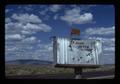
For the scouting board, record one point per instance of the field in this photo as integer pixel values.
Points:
(22, 70)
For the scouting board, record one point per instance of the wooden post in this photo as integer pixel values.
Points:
(78, 73)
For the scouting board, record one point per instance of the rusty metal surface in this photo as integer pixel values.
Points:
(76, 51)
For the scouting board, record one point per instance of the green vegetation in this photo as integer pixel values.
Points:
(37, 69)
(34, 70)
(102, 68)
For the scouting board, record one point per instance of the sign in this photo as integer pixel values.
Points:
(77, 51)
(75, 32)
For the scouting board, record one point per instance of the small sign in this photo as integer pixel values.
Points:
(75, 31)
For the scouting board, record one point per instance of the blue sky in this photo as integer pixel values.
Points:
(29, 27)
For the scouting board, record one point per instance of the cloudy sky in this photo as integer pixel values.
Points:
(28, 28)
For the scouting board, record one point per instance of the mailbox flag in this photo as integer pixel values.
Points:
(75, 31)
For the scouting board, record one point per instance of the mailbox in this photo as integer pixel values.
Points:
(76, 51)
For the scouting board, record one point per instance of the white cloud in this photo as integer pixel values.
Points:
(25, 7)
(13, 25)
(11, 48)
(30, 26)
(13, 28)
(27, 32)
(13, 37)
(36, 27)
(109, 49)
(28, 7)
(73, 16)
(74, 5)
(48, 47)
(55, 8)
(29, 39)
(7, 20)
(103, 39)
(19, 35)
(85, 18)
(44, 52)
(48, 10)
(43, 12)
(26, 24)
(55, 17)
(27, 28)
(25, 18)
(106, 42)
(45, 47)
(8, 10)
(39, 41)
(23, 51)
(45, 27)
(100, 31)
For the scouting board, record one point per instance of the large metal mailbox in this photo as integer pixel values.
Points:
(67, 51)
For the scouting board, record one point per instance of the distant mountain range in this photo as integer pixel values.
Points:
(28, 61)
(36, 62)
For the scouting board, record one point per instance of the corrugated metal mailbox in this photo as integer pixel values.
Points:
(75, 51)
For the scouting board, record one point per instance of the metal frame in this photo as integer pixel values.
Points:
(76, 66)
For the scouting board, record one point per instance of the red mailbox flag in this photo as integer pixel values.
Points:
(75, 31)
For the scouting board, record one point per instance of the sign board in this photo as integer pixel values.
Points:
(75, 32)
(77, 51)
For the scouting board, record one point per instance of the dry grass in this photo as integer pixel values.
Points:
(37, 69)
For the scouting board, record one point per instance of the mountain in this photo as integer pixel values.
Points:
(29, 62)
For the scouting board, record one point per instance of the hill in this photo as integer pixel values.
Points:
(28, 62)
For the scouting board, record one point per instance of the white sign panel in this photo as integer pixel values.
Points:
(77, 51)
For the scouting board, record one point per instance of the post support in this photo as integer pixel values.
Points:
(78, 73)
